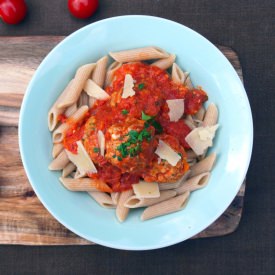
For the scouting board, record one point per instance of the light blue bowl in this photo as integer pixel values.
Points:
(208, 67)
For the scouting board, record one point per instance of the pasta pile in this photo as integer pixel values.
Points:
(86, 90)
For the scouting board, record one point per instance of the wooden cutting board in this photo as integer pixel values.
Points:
(23, 219)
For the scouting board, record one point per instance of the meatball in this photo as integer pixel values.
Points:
(130, 145)
(161, 170)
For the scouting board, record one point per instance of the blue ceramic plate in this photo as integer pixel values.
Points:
(208, 67)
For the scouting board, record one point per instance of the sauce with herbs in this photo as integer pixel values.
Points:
(132, 127)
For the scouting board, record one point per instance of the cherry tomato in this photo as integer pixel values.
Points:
(82, 8)
(12, 11)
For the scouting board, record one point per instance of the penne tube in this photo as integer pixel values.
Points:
(166, 207)
(92, 101)
(173, 185)
(188, 83)
(165, 63)
(71, 110)
(115, 197)
(103, 199)
(190, 122)
(200, 114)
(58, 134)
(211, 115)
(55, 111)
(169, 185)
(110, 72)
(178, 76)
(68, 169)
(59, 162)
(121, 210)
(79, 175)
(57, 148)
(99, 71)
(135, 202)
(81, 76)
(191, 154)
(83, 99)
(139, 54)
(85, 184)
(205, 165)
(191, 162)
(193, 183)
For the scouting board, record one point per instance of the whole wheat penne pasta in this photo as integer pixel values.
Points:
(190, 122)
(71, 110)
(59, 162)
(85, 184)
(81, 76)
(166, 207)
(110, 72)
(178, 75)
(83, 99)
(139, 54)
(79, 174)
(58, 134)
(135, 202)
(193, 183)
(200, 114)
(188, 83)
(99, 72)
(205, 165)
(102, 199)
(173, 185)
(211, 115)
(121, 210)
(115, 197)
(92, 101)
(191, 162)
(169, 185)
(165, 63)
(68, 169)
(191, 155)
(57, 148)
(55, 111)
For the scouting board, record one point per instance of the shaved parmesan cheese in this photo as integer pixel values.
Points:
(199, 139)
(82, 160)
(146, 189)
(101, 142)
(164, 151)
(93, 90)
(176, 108)
(128, 86)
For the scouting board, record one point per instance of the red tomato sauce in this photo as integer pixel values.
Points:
(152, 87)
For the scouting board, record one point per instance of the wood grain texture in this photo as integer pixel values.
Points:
(23, 219)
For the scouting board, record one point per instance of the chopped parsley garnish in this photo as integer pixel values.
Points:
(150, 120)
(132, 147)
(124, 112)
(141, 86)
(119, 158)
(145, 117)
(96, 149)
(157, 126)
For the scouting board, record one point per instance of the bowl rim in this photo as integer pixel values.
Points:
(23, 156)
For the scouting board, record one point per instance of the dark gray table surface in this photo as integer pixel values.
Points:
(247, 27)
